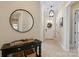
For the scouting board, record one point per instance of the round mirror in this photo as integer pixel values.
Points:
(21, 20)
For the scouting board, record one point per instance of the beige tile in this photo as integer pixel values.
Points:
(51, 48)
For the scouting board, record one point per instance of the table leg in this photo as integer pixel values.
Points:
(4, 54)
(36, 51)
(39, 50)
(25, 54)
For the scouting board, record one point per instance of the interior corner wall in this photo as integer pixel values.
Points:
(7, 34)
(64, 32)
(59, 29)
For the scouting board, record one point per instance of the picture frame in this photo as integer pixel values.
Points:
(61, 22)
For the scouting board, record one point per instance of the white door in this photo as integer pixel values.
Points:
(76, 30)
(49, 33)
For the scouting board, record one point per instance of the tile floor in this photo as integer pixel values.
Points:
(51, 48)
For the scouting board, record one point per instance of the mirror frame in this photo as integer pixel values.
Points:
(28, 13)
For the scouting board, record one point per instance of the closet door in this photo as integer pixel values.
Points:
(76, 30)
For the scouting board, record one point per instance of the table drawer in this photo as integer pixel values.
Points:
(29, 46)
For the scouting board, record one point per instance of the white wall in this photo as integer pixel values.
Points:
(63, 35)
(59, 28)
(7, 34)
(66, 29)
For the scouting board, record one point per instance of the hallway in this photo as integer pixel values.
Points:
(54, 23)
(52, 48)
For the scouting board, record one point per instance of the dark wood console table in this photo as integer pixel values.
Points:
(27, 44)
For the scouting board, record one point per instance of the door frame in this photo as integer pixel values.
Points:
(67, 25)
(68, 12)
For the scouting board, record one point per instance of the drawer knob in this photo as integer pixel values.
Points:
(31, 45)
(19, 49)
